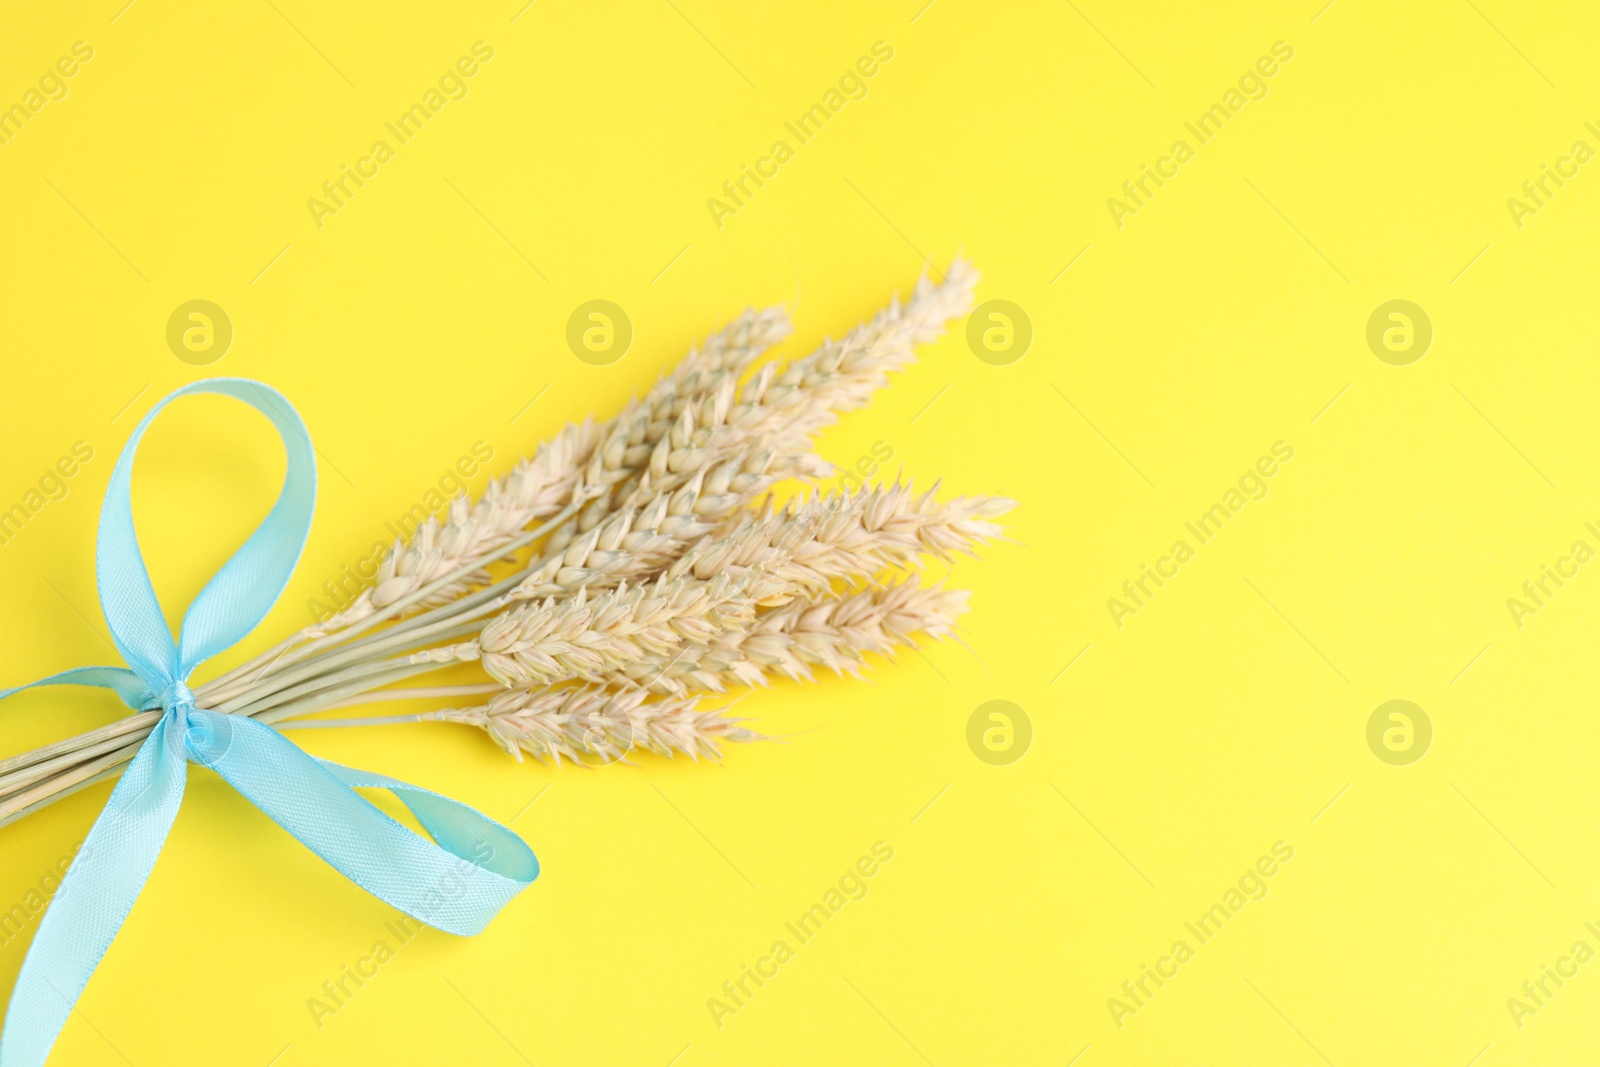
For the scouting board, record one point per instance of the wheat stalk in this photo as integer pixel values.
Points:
(656, 571)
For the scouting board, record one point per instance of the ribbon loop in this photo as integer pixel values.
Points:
(243, 590)
(457, 882)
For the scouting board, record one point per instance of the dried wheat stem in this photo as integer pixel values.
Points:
(139, 724)
(10, 811)
(421, 692)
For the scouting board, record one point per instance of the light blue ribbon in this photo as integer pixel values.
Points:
(457, 885)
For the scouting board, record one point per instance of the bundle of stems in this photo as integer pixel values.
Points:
(624, 572)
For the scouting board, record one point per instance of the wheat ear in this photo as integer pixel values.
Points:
(557, 723)
(835, 632)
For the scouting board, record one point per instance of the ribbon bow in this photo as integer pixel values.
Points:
(457, 884)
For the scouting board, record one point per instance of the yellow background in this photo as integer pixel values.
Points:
(1224, 316)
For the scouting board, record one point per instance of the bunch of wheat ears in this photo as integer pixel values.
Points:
(649, 567)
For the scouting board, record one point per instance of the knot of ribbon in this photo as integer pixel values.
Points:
(457, 882)
(174, 695)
